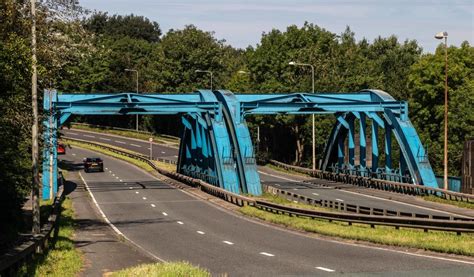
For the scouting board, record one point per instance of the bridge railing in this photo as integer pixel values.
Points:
(375, 183)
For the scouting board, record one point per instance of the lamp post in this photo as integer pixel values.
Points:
(312, 90)
(205, 71)
(136, 116)
(444, 35)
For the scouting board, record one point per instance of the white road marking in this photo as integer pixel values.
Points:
(153, 205)
(228, 242)
(113, 174)
(71, 133)
(148, 148)
(136, 192)
(314, 193)
(175, 156)
(136, 145)
(325, 269)
(121, 181)
(180, 222)
(116, 177)
(279, 177)
(295, 189)
(105, 139)
(277, 185)
(163, 152)
(106, 168)
(130, 187)
(74, 154)
(118, 141)
(267, 254)
(110, 171)
(165, 214)
(200, 232)
(337, 199)
(144, 198)
(89, 136)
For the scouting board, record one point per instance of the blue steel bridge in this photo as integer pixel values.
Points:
(216, 145)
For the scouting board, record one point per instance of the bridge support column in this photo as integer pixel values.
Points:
(340, 151)
(388, 147)
(362, 141)
(50, 155)
(375, 146)
(351, 142)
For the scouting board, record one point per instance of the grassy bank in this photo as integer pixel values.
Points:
(180, 269)
(130, 134)
(63, 259)
(138, 163)
(444, 242)
(459, 204)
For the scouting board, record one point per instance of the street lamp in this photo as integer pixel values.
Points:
(444, 35)
(136, 116)
(312, 87)
(205, 71)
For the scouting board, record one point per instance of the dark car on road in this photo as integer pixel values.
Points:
(93, 164)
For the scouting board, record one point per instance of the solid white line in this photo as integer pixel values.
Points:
(153, 205)
(180, 222)
(267, 254)
(136, 145)
(325, 269)
(118, 141)
(340, 200)
(200, 232)
(165, 214)
(228, 242)
(314, 193)
(144, 198)
(105, 139)
(279, 177)
(89, 136)
(71, 133)
(115, 228)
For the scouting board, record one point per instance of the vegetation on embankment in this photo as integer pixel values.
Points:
(444, 242)
(460, 204)
(177, 269)
(63, 259)
(147, 167)
(130, 134)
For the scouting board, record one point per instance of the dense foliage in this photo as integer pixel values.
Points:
(89, 53)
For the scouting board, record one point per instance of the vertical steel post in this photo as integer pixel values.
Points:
(340, 151)
(351, 141)
(388, 147)
(362, 141)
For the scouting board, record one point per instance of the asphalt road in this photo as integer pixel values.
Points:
(276, 179)
(175, 226)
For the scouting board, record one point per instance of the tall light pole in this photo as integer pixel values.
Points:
(312, 90)
(34, 130)
(205, 71)
(444, 35)
(136, 118)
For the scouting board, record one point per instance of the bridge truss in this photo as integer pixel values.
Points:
(216, 145)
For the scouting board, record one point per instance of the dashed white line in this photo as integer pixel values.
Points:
(163, 152)
(325, 269)
(267, 254)
(153, 205)
(89, 136)
(110, 171)
(74, 154)
(340, 200)
(200, 232)
(118, 141)
(295, 189)
(113, 174)
(116, 177)
(136, 145)
(130, 187)
(71, 133)
(144, 198)
(105, 139)
(121, 181)
(228, 242)
(106, 168)
(136, 192)
(175, 156)
(314, 193)
(165, 214)
(180, 222)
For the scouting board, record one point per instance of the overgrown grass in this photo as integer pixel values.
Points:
(459, 204)
(179, 269)
(63, 259)
(444, 242)
(130, 134)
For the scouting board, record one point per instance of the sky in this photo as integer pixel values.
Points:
(241, 23)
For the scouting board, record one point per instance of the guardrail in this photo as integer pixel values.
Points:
(458, 226)
(12, 260)
(373, 183)
(352, 208)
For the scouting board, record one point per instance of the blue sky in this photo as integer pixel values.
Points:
(241, 23)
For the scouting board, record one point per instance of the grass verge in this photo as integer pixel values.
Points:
(459, 204)
(140, 164)
(179, 269)
(444, 242)
(63, 259)
(130, 134)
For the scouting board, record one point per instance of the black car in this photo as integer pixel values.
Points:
(91, 164)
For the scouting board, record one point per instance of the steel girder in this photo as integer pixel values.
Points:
(216, 145)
